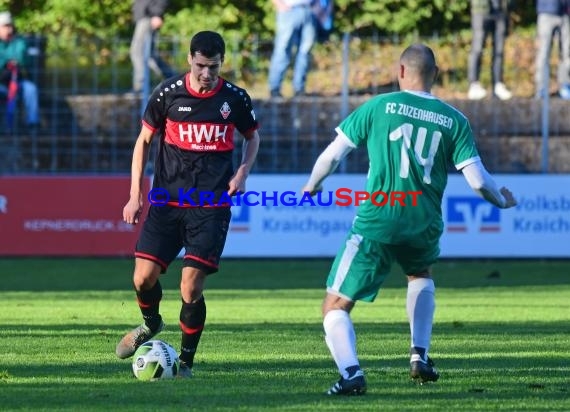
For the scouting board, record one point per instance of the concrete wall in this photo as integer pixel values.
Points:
(294, 131)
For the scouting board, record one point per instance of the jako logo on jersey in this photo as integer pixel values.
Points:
(471, 214)
(225, 110)
(184, 109)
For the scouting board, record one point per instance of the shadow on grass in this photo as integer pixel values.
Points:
(452, 329)
(116, 274)
(286, 366)
(288, 385)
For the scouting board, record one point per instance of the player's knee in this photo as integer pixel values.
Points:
(333, 302)
(191, 294)
(146, 274)
(192, 284)
(143, 281)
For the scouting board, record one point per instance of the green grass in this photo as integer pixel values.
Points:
(501, 339)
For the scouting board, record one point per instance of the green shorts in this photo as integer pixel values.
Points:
(361, 266)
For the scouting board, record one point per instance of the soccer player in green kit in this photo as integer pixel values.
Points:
(411, 137)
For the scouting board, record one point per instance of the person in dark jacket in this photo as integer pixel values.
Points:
(552, 19)
(148, 16)
(488, 17)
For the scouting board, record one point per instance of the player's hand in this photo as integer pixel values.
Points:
(132, 211)
(510, 200)
(237, 182)
(312, 190)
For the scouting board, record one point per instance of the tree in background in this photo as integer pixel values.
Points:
(111, 18)
(94, 27)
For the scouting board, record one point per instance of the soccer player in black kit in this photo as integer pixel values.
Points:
(196, 116)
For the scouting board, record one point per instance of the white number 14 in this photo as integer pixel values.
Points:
(405, 131)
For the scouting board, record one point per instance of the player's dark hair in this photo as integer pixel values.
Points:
(208, 44)
(420, 58)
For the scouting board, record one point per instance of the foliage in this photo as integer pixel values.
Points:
(401, 16)
(102, 18)
(247, 25)
(109, 18)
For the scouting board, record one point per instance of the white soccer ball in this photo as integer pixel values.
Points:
(155, 360)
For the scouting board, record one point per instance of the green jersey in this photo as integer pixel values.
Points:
(412, 139)
(15, 49)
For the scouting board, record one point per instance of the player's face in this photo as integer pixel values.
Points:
(205, 70)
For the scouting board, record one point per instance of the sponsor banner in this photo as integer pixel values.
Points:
(65, 216)
(275, 230)
(538, 227)
(82, 216)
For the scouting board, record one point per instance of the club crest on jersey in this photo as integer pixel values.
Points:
(225, 110)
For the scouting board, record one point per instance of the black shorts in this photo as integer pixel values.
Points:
(201, 231)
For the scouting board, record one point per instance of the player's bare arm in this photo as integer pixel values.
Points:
(249, 150)
(133, 208)
(327, 162)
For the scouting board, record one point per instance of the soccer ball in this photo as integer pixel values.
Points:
(155, 360)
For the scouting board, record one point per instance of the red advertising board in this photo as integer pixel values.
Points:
(65, 216)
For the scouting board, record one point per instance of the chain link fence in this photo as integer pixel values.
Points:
(89, 121)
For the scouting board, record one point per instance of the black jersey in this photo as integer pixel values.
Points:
(196, 137)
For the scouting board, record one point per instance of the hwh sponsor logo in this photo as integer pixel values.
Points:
(198, 133)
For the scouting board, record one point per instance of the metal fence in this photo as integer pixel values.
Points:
(89, 121)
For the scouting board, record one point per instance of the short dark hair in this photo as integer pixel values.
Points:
(421, 59)
(208, 43)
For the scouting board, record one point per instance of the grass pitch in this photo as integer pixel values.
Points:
(501, 339)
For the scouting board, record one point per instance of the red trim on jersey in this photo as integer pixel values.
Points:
(204, 261)
(156, 260)
(210, 93)
(253, 129)
(187, 205)
(200, 137)
(190, 331)
(148, 126)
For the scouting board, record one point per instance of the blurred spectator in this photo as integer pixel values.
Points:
(13, 77)
(295, 29)
(488, 17)
(552, 19)
(324, 15)
(148, 16)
